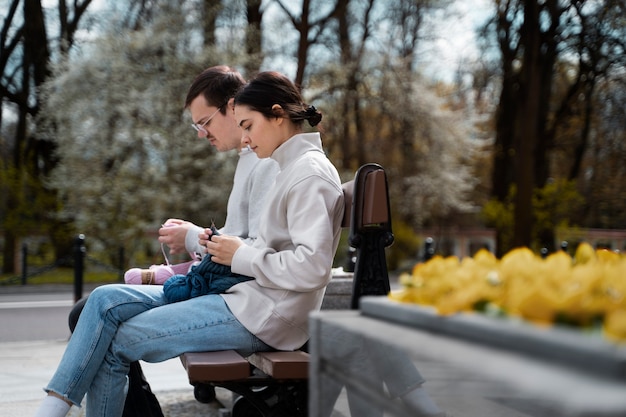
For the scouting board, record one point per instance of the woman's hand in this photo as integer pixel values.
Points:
(205, 237)
(222, 248)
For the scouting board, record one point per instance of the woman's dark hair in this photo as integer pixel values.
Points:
(217, 84)
(270, 88)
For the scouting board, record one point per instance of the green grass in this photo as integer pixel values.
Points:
(66, 276)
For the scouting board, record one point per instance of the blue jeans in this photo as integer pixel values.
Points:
(123, 323)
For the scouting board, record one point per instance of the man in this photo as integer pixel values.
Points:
(210, 103)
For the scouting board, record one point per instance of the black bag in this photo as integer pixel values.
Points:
(140, 400)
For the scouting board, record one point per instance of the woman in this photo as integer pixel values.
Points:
(290, 262)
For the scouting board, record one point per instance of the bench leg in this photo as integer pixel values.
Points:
(280, 399)
(204, 393)
(370, 271)
(244, 408)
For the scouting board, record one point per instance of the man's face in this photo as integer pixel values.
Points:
(221, 129)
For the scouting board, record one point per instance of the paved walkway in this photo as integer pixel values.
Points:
(26, 367)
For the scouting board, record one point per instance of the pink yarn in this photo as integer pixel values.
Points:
(160, 273)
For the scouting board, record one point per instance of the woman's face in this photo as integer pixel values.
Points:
(261, 134)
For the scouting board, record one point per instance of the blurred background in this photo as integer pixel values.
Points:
(500, 123)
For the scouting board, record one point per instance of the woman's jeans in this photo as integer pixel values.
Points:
(123, 323)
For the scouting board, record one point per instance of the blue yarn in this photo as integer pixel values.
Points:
(205, 278)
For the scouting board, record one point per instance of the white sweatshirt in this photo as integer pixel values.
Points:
(292, 257)
(253, 178)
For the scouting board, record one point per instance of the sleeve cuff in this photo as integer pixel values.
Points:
(191, 240)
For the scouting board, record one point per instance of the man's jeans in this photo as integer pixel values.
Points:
(123, 323)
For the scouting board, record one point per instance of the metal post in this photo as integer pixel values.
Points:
(24, 263)
(429, 248)
(79, 265)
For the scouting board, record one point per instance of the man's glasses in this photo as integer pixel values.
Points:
(200, 127)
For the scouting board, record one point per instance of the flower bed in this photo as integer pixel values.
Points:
(587, 291)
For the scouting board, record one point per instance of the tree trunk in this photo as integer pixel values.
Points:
(253, 36)
(527, 126)
(503, 167)
(303, 43)
(210, 9)
(343, 35)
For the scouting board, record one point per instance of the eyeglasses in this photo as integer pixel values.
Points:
(200, 127)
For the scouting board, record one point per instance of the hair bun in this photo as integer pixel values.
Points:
(313, 115)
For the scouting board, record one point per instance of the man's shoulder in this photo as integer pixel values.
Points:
(266, 166)
(262, 174)
(250, 164)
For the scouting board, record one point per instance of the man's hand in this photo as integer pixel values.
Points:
(173, 235)
(222, 248)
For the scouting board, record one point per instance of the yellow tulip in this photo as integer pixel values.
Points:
(584, 253)
(615, 326)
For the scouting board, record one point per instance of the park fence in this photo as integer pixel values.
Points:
(78, 259)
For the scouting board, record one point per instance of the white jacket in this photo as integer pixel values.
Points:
(292, 257)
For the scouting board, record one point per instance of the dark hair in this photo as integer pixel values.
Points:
(270, 88)
(217, 84)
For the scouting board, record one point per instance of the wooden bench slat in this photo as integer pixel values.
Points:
(226, 365)
(282, 365)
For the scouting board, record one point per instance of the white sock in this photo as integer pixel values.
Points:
(52, 406)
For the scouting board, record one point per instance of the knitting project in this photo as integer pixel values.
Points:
(205, 278)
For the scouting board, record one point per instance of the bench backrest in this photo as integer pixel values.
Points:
(368, 215)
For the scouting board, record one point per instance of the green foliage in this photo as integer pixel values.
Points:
(405, 244)
(66, 276)
(342, 255)
(27, 205)
(556, 204)
(499, 215)
(554, 207)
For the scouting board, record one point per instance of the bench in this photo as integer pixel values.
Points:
(275, 383)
